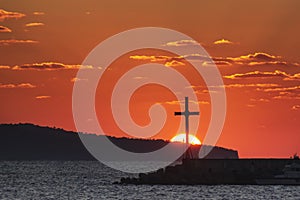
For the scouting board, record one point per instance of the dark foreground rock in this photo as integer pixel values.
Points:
(214, 171)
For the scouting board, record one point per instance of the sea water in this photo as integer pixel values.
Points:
(93, 180)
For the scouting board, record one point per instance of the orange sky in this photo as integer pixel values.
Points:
(43, 43)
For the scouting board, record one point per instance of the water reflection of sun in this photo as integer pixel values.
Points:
(181, 138)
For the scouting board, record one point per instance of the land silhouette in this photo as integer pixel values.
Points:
(32, 142)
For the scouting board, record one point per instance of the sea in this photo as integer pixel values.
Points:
(93, 180)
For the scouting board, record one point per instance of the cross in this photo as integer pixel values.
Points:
(186, 114)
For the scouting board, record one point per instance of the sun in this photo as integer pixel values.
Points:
(181, 138)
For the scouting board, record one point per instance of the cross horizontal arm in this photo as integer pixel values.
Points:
(194, 113)
(178, 113)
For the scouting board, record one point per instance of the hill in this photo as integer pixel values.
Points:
(32, 142)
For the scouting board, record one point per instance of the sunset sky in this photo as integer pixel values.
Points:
(255, 45)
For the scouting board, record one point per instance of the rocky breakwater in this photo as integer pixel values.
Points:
(213, 171)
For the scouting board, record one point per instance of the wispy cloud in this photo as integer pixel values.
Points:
(38, 13)
(50, 66)
(270, 63)
(216, 89)
(223, 42)
(291, 94)
(255, 59)
(4, 67)
(255, 85)
(260, 100)
(181, 43)
(43, 97)
(283, 92)
(140, 77)
(173, 63)
(251, 60)
(263, 59)
(296, 107)
(14, 41)
(168, 61)
(150, 58)
(259, 74)
(259, 56)
(75, 79)
(237, 85)
(282, 89)
(4, 29)
(176, 102)
(250, 105)
(10, 15)
(34, 24)
(286, 97)
(21, 85)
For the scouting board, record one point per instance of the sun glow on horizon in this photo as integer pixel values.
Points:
(181, 138)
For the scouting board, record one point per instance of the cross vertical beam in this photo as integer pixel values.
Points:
(186, 114)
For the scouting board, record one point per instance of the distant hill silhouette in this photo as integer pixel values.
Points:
(32, 142)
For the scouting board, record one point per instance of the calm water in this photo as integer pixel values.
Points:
(92, 180)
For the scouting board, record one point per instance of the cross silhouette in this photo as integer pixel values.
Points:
(186, 114)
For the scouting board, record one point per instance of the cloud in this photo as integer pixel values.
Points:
(296, 107)
(50, 66)
(150, 58)
(257, 85)
(21, 85)
(223, 41)
(43, 97)
(258, 59)
(168, 61)
(292, 77)
(215, 89)
(208, 61)
(250, 105)
(219, 63)
(172, 102)
(238, 85)
(259, 74)
(282, 89)
(200, 102)
(181, 43)
(75, 79)
(10, 15)
(283, 93)
(222, 63)
(173, 63)
(38, 13)
(259, 56)
(278, 63)
(178, 60)
(162, 58)
(287, 95)
(176, 102)
(140, 77)
(4, 67)
(13, 41)
(34, 24)
(260, 100)
(255, 59)
(4, 29)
